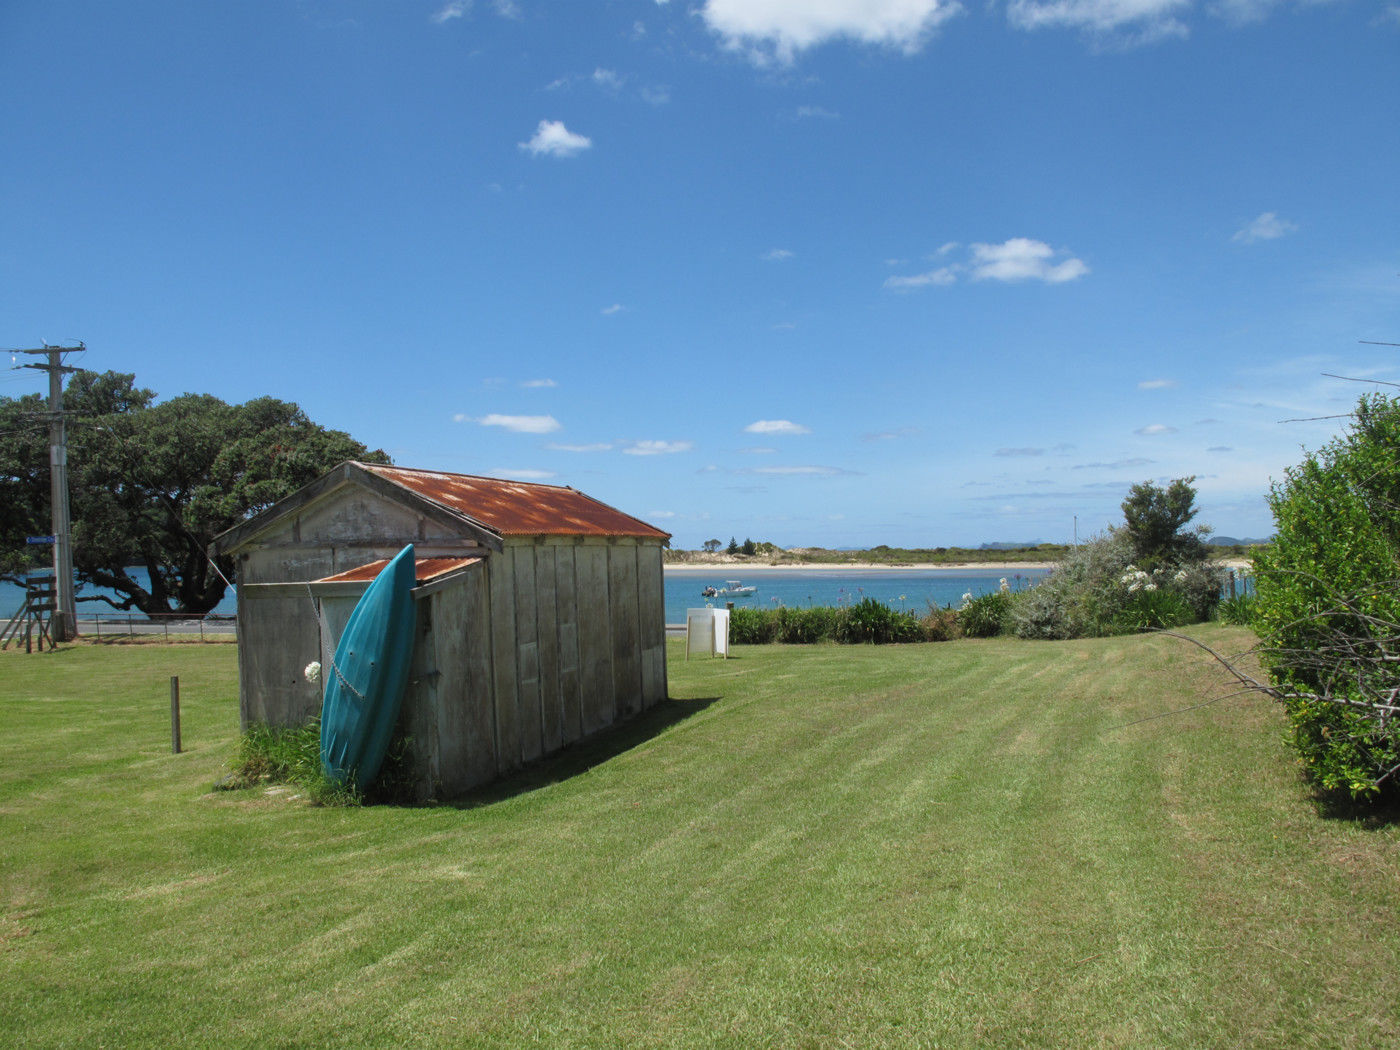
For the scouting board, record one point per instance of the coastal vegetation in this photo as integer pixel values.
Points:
(766, 553)
(1152, 572)
(804, 846)
(1328, 611)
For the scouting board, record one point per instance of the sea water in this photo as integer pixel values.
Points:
(912, 590)
(12, 597)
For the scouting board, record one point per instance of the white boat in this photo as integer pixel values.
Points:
(731, 589)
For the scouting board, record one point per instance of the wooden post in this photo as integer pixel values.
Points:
(1232, 583)
(175, 714)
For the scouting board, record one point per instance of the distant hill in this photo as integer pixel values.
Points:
(1010, 545)
(1231, 541)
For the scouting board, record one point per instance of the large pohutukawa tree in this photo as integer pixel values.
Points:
(153, 482)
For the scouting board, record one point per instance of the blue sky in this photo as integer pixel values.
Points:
(821, 272)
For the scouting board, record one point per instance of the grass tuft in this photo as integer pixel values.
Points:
(288, 755)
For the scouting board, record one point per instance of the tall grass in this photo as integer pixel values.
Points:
(288, 755)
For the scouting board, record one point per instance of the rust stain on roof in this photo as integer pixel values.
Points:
(519, 508)
(424, 570)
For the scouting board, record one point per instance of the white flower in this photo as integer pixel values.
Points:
(1180, 576)
(1149, 586)
(1004, 588)
(313, 671)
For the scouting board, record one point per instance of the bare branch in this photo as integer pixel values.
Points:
(1354, 379)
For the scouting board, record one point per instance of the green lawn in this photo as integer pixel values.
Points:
(923, 845)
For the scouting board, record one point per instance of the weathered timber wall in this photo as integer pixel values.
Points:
(279, 636)
(538, 646)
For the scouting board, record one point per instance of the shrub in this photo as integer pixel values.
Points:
(805, 626)
(752, 627)
(986, 616)
(940, 624)
(1155, 520)
(866, 621)
(1238, 610)
(1328, 609)
(1083, 596)
(1161, 608)
(871, 621)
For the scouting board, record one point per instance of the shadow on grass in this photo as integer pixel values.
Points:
(1376, 815)
(577, 758)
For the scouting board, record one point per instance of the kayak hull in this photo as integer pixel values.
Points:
(365, 684)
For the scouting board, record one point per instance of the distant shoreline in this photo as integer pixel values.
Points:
(736, 570)
(720, 568)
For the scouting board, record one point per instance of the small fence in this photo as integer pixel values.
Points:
(114, 627)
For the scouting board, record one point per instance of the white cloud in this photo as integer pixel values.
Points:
(776, 426)
(1153, 429)
(518, 424)
(779, 29)
(661, 515)
(1019, 452)
(817, 113)
(607, 79)
(1157, 384)
(449, 11)
(1021, 259)
(597, 446)
(942, 276)
(1267, 227)
(531, 384)
(460, 8)
(658, 448)
(776, 255)
(615, 308)
(758, 450)
(1131, 21)
(656, 95)
(553, 139)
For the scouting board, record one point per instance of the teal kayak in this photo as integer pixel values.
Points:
(365, 684)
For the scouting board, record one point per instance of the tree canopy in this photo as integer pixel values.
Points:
(1155, 519)
(153, 482)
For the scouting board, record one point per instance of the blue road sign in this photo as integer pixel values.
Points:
(40, 540)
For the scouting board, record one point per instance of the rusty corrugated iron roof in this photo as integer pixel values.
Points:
(518, 508)
(424, 569)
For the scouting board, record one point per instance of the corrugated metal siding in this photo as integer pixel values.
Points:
(519, 508)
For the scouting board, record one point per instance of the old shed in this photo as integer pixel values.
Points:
(540, 617)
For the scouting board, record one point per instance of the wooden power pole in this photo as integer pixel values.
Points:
(65, 617)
